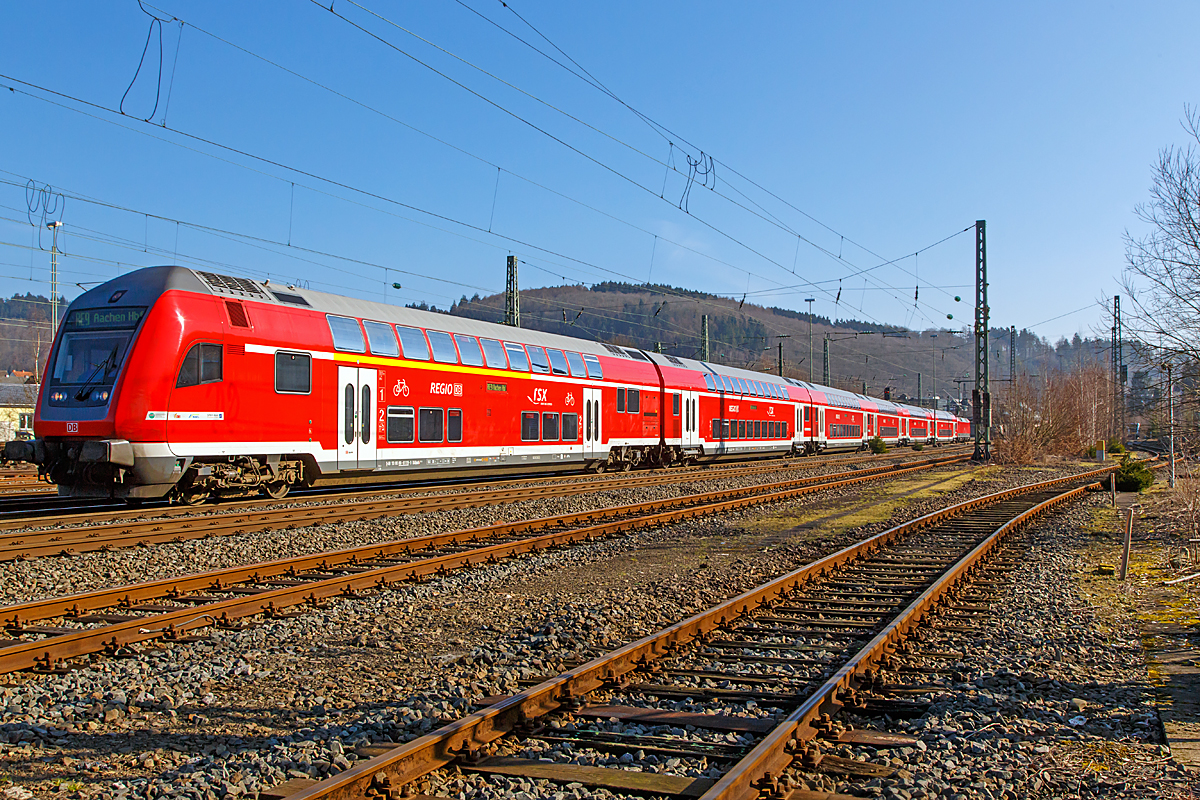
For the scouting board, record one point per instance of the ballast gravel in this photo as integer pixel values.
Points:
(285, 698)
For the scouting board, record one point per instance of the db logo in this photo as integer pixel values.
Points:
(570, 400)
(72, 427)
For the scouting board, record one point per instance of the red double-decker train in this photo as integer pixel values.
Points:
(169, 382)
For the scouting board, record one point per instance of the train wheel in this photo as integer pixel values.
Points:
(277, 490)
(194, 496)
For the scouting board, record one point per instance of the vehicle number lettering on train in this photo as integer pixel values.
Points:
(446, 388)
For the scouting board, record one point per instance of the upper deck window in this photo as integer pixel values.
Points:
(593, 366)
(537, 357)
(468, 349)
(557, 362)
(382, 338)
(578, 369)
(516, 357)
(347, 335)
(414, 344)
(493, 351)
(443, 347)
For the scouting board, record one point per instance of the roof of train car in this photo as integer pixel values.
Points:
(291, 296)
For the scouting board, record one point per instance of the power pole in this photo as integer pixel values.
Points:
(1120, 355)
(512, 299)
(981, 397)
(825, 359)
(704, 337)
(933, 393)
(54, 226)
(1116, 367)
(780, 343)
(1012, 354)
(658, 347)
(809, 300)
(920, 396)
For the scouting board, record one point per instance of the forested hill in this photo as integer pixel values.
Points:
(748, 335)
(25, 331)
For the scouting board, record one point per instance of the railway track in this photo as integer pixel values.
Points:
(45, 633)
(802, 647)
(127, 529)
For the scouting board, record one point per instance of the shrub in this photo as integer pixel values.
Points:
(1115, 447)
(1091, 451)
(919, 446)
(878, 446)
(1133, 476)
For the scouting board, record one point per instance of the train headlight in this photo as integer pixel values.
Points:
(58, 397)
(100, 396)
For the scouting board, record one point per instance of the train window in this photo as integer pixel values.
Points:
(558, 363)
(549, 427)
(570, 427)
(443, 347)
(578, 369)
(593, 367)
(349, 406)
(293, 372)
(727, 383)
(468, 349)
(382, 338)
(756, 389)
(368, 416)
(741, 431)
(725, 429)
(716, 433)
(529, 426)
(413, 342)
(430, 424)
(516, 357)
(493, 353)
(743, 386)
(202, 364)
(784, 433)
(537, 357)
(774, 430)
(454, 426)
(708, 382)
(620, 401)
(675, 405)
(635, 401)
(757, 432)
(400, 424)
(347, 335)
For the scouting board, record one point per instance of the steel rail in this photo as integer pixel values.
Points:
(46, 653)
(387, 773)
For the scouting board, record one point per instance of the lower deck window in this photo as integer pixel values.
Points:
(431, 424)
(889, 431)
(549, 427)
(454, 425)
(570, 427)
(844, 431)
(400, 426)
(529, 426)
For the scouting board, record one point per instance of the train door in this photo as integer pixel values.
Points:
(591, 424)
(356, 418)
(691, 426)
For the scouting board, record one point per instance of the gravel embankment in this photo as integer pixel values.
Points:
(1057, 701)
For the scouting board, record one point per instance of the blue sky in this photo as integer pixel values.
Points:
(871, 130)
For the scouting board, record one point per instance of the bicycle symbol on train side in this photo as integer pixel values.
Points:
(400, 389)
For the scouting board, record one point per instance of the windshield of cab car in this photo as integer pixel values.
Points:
(93, 345)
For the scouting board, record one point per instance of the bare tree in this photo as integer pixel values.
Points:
(1162, 275)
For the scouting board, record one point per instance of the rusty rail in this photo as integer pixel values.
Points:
(46, 653)
(410, 761)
